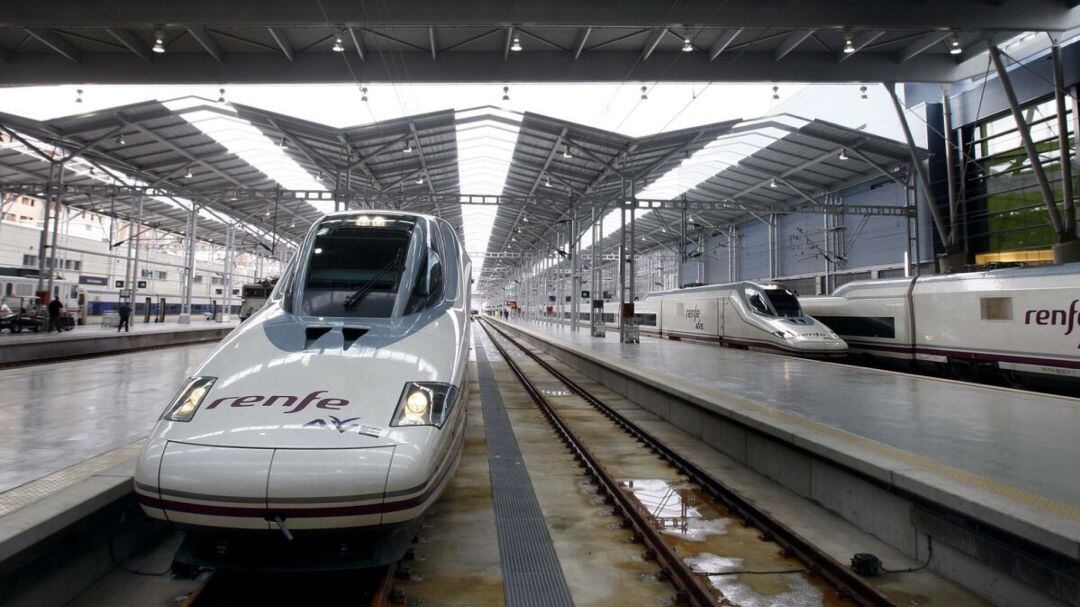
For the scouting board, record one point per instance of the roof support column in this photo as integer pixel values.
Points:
(133, 287)
(950, 166)
(628, 327)
(55, 229)
(230, 245)
(1070, 251)
(575, 270)
(596, 286)
(924, 179)
(1064, 233)
(43, 238)
(189, 279)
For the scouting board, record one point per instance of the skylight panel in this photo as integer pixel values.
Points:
(485, 146)
(243, 139)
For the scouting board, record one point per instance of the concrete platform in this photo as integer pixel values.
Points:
(56, 415)
(89, 340)
(891, 452)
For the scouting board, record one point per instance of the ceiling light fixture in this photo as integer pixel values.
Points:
(644, 95)
(843, 154)
(338, 46)
(773, 184)
(516, 46)
(566, 153)
(78, 96)
(284, 143)
(687, 46)
(159, 42)
(420, 180)
(862, 92)
(954, 46)
(506, 93)
(547, 182)
(849, 45)
(188, 174)
(363, 94)
(221, 96)
(120, 139)
(408, 148)
(776, 93)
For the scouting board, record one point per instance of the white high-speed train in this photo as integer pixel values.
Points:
(339, 406)
(1008, 321)
(748, 315)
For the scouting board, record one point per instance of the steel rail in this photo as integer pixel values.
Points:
(693, 588)
(847, 583)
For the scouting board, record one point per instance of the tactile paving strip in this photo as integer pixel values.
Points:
(28, 493)
(530, 566)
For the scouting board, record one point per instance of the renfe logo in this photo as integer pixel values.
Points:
(1066, 318)
(285, 401)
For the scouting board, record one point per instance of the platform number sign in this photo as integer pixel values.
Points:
(585, 294)
(140, 284)
(119, 284)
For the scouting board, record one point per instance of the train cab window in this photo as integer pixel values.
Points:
(757, 302)
(784, 303)
(429, 283)
(355, 269)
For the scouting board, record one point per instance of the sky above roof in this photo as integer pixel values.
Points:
(614, 107)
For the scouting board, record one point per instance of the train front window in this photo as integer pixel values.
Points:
(784, 303)
(355, 267)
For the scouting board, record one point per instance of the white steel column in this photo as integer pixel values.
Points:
(230, 237)
(189, 281)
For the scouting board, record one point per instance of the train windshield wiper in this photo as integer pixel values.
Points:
(364, 289)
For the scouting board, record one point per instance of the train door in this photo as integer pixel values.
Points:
(722, 310)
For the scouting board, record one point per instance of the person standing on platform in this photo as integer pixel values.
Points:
(125, 317)
(54, 315)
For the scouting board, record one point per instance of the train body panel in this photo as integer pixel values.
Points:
(1019, 319)
(344, 400)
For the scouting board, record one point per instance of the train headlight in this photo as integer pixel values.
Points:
(424, 404)
(187, 402)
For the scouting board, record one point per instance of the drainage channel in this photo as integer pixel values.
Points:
(716, 548)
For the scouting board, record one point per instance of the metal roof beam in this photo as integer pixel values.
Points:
(434, 45)
(579, 46)
(205, 40)
(722, 41)
(423, 161)
(791, 43)
(57, 43)
(921, 44)
(132, 42)
(652, 42)
(547, 161)
(282, 40)
(358, 41)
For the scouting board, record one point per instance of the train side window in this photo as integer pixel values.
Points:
(996, 308)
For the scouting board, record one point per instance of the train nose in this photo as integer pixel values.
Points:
(211, 486)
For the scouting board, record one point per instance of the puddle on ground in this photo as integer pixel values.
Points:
(785, 590)
(700, 531)
(674, 508)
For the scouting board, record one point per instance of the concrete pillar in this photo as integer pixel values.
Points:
(1068, 249)
(227, 275)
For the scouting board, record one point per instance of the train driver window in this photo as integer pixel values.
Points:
(784, 302)
(756, 301)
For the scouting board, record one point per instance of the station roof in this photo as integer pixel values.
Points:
(272, 175)
(268, 41)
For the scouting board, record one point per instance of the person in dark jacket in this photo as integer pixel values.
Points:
(54, 315)
(125, 317)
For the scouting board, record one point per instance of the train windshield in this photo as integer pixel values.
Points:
(371, 266)
(784, 303)
(773, 302)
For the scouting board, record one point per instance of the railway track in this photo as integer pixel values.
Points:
(696, 585)
(368, 587)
